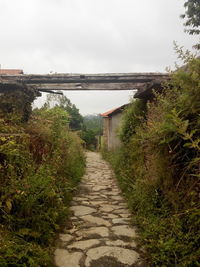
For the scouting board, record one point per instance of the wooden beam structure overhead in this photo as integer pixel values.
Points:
(108, 81)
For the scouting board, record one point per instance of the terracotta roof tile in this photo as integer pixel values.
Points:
(10, 71)
(110, 112)
(105, 114)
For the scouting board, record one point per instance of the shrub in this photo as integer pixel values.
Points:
(158, 169)
(40, 168)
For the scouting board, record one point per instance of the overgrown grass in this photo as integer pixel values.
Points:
(158, 169)
(41, 163)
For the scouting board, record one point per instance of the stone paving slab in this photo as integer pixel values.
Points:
(82, 210)
(65, 259)
(101, 233)
(122, 255)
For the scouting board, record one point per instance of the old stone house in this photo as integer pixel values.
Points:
(111, 123)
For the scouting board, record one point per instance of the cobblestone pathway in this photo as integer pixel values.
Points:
(100, 234)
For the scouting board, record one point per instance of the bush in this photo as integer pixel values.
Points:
(158, 169)
(40, 168)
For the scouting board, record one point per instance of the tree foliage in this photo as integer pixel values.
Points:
(94, 123)
(92, 127)
(75, 118)
(192, 16)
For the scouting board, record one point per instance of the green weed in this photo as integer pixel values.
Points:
(158, 169)
(41, 164)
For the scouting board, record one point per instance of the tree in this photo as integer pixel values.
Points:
(192, 14)
(90, 139)
(75, 118)
(94, 122)
(92, 127)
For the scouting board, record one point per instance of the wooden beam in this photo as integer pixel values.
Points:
(89, 86)
(90, 78)
(109, 81)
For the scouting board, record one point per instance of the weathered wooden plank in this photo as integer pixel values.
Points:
(90, 86)
(89, 78)
(109, 81)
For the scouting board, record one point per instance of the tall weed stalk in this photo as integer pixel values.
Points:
(158, 169)
(40, 166)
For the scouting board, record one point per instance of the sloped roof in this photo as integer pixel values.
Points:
(113, 111)
(107, 113)
(11, 71)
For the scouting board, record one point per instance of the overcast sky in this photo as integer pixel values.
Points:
(91, 36)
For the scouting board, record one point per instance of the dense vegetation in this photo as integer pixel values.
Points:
(41, 162)
(75, 119)
(91, 130)
(89, 127)
(158, 168)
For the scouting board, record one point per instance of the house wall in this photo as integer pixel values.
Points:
(110, 131)
(114, 124)
(105, 131)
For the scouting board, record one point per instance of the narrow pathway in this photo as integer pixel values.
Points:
(100, 234)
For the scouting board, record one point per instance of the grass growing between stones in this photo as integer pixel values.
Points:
(41, 162)
(158, 169)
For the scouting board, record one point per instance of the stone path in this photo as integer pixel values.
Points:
(100, 233)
